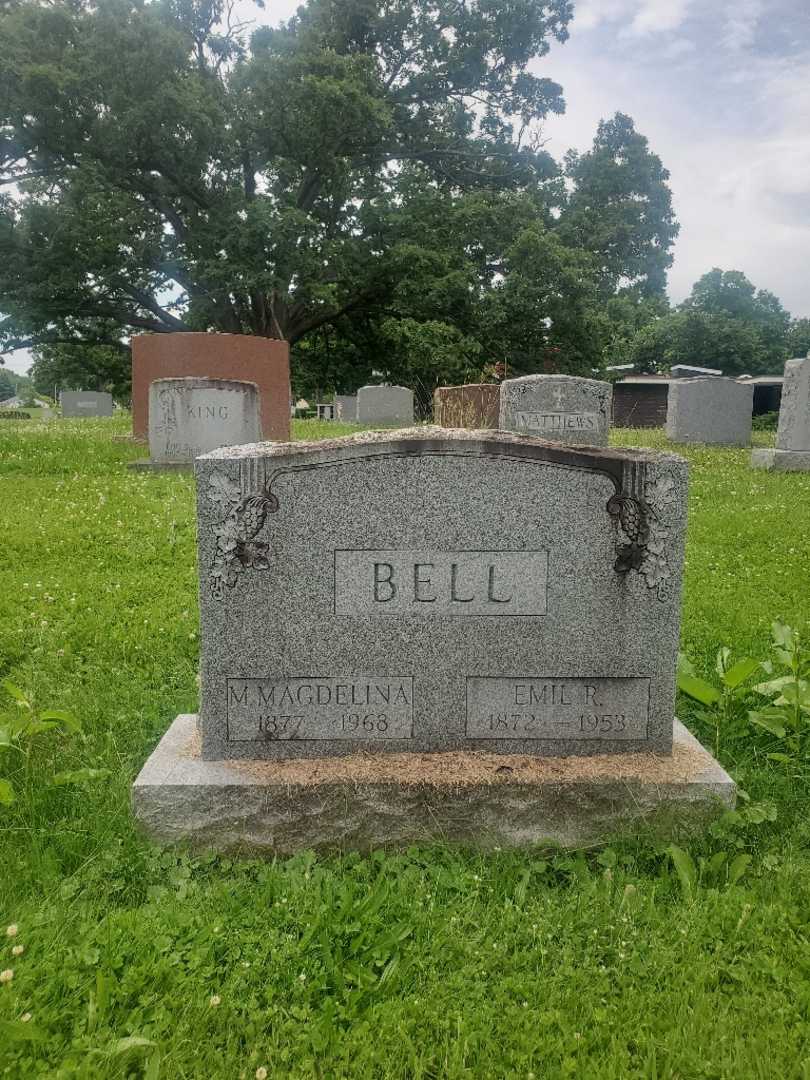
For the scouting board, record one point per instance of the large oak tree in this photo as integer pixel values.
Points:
(367, 180)
(160, 156)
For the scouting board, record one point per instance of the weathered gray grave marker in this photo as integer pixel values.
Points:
(385, 405)
(85, 403)
(558, 408)
(466, 596)
(710, 410)
(792, 452)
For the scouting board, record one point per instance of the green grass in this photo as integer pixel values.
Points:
(428, 963)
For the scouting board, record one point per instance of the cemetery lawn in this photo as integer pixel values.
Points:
(429, 963)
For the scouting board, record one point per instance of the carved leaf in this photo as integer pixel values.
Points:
(222, 490)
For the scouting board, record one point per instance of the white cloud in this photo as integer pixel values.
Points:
(731, 124)
(18, 361)
(655, 16)
(589, 14)
(741, 19)
(638, 16)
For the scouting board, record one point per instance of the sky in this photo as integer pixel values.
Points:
(721, 90)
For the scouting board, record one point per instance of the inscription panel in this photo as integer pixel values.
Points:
(513, 707)
(555, 423)
(355, 708)
(437, 583)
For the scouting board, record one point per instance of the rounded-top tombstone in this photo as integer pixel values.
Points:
(385, 405)
(189, 417)
(558, 408)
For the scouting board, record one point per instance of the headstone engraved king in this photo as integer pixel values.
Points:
(400, 665)
(792, 452)
(558, 408)
(190, 416)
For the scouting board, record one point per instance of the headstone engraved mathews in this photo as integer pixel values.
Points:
(385, 405)
(189, 417)
(473, 405)
(792, 452)
(471, 604)
(85, 403)
(711, 410)
(559, 408)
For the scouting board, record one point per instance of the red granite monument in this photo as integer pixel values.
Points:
(262, 361)
(474, 405)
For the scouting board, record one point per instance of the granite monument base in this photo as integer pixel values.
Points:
(781, 460)
(392, 800)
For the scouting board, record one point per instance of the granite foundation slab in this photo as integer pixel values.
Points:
(378, 800)
(781, 460)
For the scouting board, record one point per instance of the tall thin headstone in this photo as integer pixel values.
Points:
(558, 408)
(792, 451)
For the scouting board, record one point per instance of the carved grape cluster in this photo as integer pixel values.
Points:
(237, 548)
(645, 549)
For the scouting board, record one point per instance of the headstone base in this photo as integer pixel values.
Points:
(145, 465)
(393, 800)
(781, 460)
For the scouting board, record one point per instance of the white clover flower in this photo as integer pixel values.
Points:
(25, 1018)
(11, 931)
(214, 1000)
(18, 950)
(261, 1073)
(6, 976)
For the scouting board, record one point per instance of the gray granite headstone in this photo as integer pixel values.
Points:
(346, 406)
(385, 405)
(792, 453)
(559, 408)
(85, 403)
(190, 416)
(430, 589)
(710, 410)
